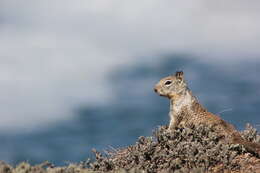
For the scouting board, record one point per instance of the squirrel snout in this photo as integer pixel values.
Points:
(155, 90)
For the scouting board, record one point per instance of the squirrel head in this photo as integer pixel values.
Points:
(172, 86)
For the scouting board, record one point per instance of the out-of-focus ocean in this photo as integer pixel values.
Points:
(229, 89)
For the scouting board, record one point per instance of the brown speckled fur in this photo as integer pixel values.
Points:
(185, 110)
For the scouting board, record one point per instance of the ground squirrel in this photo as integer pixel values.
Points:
(185, 110)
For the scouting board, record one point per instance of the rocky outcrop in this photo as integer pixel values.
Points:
(194, 150)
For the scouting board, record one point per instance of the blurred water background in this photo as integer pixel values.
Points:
(80, 75)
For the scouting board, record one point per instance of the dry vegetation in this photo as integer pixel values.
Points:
(194, 149)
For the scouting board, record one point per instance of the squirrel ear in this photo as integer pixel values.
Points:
(179, 75)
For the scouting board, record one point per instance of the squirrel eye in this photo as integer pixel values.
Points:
(168, 82)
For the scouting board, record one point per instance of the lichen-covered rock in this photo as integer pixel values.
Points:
(183, 150)
(4, 168)
(194, 149)
(250, 134)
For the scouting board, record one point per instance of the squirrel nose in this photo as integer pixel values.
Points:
(155, 90)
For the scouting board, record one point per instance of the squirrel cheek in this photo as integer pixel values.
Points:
(173, 96)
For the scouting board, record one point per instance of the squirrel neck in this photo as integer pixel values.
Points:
(185, 102)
